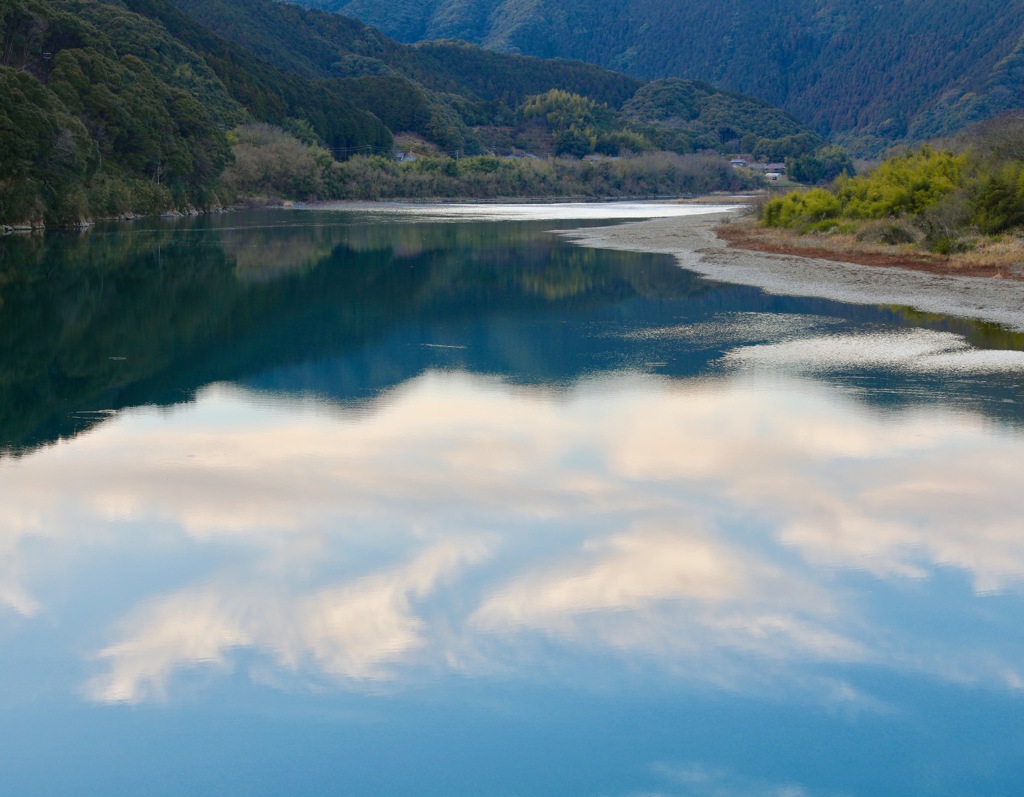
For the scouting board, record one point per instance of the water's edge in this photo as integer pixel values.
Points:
(694, 244)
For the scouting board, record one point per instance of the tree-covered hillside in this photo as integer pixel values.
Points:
(117, 107)
(444, 89)
(332, 46)
(715, 119)
(435, 90)
(105, 112)
(864, 73)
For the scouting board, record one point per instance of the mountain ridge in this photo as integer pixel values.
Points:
(859, 73)
(474, 87)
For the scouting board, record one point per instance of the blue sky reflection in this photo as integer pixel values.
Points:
(748, 532)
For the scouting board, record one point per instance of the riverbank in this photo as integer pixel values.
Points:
(85, 224)
(698, 246)
(1001, 257)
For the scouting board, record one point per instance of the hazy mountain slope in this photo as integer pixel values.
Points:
(328, 45)
(904, 68)
(441, 89)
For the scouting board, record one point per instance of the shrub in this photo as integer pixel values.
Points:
(270, 162)
(802, 209)
(945, 224)
(908, 185)
(893, 232)
(902, 185)
(823, 166)
(998, 198)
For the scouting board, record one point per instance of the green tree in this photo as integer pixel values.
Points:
(823, 166)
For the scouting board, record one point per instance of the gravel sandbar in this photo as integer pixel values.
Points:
(693, 242)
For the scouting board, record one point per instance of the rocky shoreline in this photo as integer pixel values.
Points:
(41, 227)
(693, 241)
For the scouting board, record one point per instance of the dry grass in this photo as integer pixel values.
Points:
(989, 257)
(1002, 252)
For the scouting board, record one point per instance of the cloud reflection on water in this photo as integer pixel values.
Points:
(347, 631)
(701, 526)
(665, 592)
(916, 350)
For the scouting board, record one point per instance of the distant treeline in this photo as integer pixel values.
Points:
(271, 164)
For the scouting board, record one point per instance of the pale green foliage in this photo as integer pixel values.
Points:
(903, 186)
(576, 122)
(269, 162)
(802, 209)
(948, 200)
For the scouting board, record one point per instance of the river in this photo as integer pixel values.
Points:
(433, 502)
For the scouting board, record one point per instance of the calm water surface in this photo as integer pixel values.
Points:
(310, 503)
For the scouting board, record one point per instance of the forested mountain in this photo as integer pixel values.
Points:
(714, 118)
(328, 45)
(863, 73)
(434, 90)
(113, 107)
(104, 111)
(439, 88)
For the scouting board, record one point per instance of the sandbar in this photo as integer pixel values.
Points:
(695, 245)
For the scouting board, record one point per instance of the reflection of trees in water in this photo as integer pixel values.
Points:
(87, 316)
(127, 315)
(266, 255)
(980, 333)
(411, 239)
